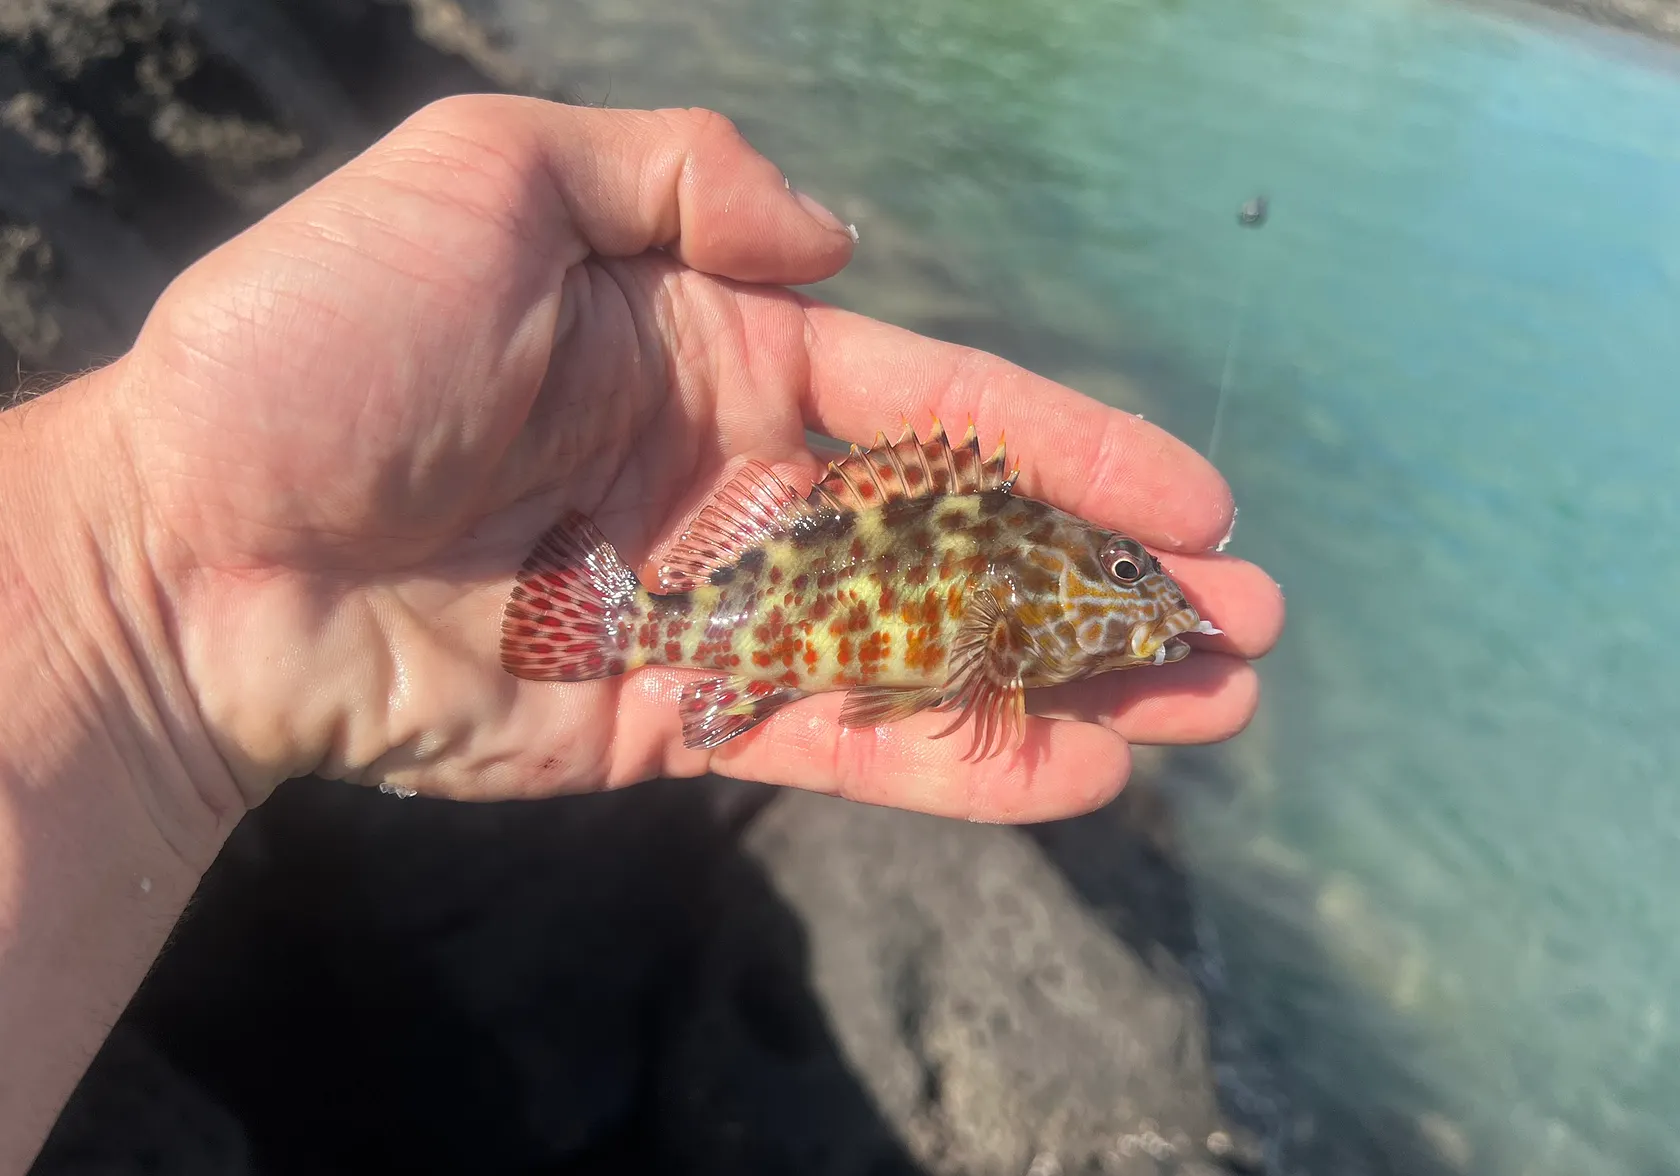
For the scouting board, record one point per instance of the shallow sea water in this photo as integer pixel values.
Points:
(1439, 875)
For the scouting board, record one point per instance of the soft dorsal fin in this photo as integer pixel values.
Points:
(752, 506)
(909, 469)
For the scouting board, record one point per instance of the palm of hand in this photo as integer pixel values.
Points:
(352, 426)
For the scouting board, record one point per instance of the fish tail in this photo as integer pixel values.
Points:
(576, 610)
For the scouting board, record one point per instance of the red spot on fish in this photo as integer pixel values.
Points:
(917, 574)
(761, 658)
(954, 603)
(622, 641)
(820, 607)
(775, 574)
(931, 607)
(825, 581)
(913, 476)
(673, 651)
(843, 654)
(856, 549)
(801, 582)
(888, 599)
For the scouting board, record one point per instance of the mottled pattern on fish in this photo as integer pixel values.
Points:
(910, 576)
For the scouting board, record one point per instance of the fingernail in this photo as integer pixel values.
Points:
(820, 214)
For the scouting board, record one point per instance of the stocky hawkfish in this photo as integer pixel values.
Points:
(910, 576)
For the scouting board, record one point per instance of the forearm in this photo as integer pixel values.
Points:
(105, 827)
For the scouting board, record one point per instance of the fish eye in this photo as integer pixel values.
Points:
(1125, 569)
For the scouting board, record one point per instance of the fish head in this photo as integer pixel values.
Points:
(1123, 608)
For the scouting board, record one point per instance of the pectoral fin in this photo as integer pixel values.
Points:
(987, 656)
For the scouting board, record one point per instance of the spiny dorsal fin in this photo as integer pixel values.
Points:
(910, 469)
(753, 506)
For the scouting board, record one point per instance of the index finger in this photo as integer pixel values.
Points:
(1103, 464)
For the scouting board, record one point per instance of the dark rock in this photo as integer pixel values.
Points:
(137, 134)
(143, 1116)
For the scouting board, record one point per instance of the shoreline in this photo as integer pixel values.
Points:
(1644, 32)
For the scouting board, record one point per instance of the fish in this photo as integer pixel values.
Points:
(910, 575)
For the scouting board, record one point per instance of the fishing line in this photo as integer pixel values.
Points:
(1252, 215)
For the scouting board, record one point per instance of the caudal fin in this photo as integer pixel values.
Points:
(574, 611)
(716, 710)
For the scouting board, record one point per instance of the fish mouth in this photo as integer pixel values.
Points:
(1163, 642)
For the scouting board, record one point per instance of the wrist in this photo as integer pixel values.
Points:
(92, 669)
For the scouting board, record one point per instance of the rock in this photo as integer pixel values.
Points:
(369, 981)
(143, 1116)
(137, 134)
(994, 1021)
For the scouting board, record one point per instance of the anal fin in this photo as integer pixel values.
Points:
(871, 706)
(718, 709)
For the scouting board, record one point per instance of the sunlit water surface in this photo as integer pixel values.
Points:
(1440, 881)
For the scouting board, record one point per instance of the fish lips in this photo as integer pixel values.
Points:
(1162, 642)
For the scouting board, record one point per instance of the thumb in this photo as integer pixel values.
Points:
(633, 180)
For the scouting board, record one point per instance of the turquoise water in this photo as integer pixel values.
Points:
(1440, 876)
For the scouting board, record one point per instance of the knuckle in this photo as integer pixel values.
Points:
(700, 125)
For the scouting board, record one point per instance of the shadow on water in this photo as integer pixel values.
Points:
(590, 984)
(1126, 863)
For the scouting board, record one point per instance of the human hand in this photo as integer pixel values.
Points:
(349, 424)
